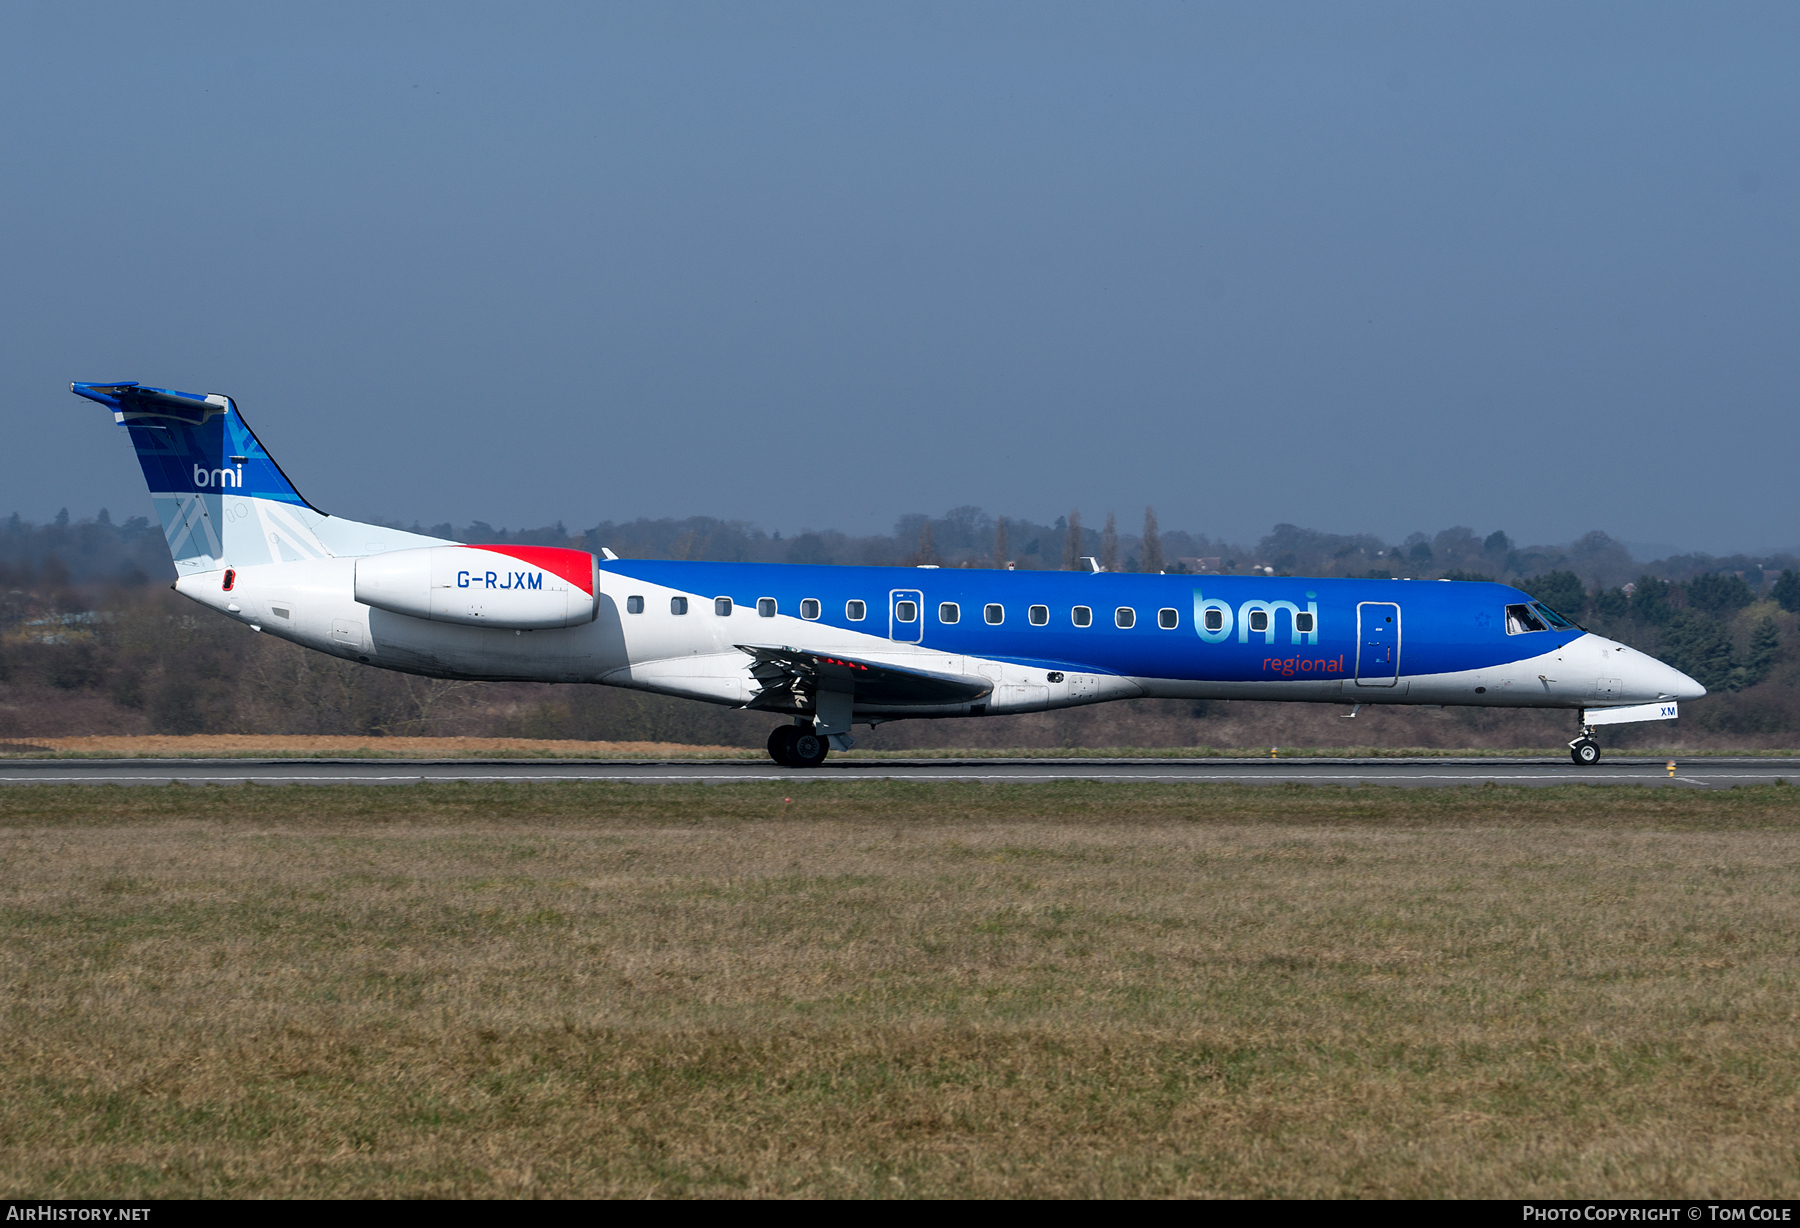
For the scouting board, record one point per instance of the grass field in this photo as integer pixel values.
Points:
(882, 989)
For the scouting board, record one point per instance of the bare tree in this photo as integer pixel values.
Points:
(1109, 544)
(1150, 553)
(1000, 547)
(927, 551)
(426, 698)
(1072, 543)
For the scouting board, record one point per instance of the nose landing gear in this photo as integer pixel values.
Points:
(1584, 750)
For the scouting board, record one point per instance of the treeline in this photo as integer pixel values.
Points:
(1718, 627)
(102, 552)
(136, 660)
(91, 642)
(145, 661)
(961, 537)
(85, 552)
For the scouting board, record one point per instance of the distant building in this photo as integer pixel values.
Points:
(1200, 567)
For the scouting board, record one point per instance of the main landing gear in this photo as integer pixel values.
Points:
(797, 746)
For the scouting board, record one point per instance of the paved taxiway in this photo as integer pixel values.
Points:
(1709, 773)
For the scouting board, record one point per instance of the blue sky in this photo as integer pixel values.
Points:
(1364, 268)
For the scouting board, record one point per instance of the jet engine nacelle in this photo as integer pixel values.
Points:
(519, 588)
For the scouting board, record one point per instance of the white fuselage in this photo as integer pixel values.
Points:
(312, 603)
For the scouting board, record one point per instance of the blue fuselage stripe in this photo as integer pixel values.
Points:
(1442, 627)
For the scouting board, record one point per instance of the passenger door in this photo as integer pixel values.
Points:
(1377, 643)
(906, 615)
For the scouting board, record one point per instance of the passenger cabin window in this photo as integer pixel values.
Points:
(1125, 616)
(1082, 616)
(855, 611)
(1038, 615)
(906, 611)
(1259, 620)
(949, 612)
(722, 606)
(1521, 618)
(995, 615)
(809, 608)
(1168, 620)
(634, 605)
(1303, 623)
(765, 607)
(678, 605)
(1215, 620)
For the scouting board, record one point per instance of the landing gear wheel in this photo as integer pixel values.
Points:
(808, 749)
(781, 738)
(1585, 752)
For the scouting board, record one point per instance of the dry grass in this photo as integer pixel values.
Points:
(886, 989)
(234, 745)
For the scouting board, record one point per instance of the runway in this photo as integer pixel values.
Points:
(1707, 773)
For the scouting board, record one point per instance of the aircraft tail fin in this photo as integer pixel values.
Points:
(222, 499)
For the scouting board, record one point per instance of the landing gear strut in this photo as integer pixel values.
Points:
(797, 746)
(1584, 750)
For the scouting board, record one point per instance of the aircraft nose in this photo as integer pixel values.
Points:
(1671, 683)
(1647, 679)
(1685, 687)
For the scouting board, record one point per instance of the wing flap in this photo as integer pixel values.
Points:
(790, 677)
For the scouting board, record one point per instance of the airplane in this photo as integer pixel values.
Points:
(836, 647)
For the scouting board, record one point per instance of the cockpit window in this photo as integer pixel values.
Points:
(1521, 618)
(1553, 618)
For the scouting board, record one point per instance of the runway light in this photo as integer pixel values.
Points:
(1671, 767)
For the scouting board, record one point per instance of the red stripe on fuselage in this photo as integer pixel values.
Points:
(575, 566)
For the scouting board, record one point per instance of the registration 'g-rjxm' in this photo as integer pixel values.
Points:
(838, 646)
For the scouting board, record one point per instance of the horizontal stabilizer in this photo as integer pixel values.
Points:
(796, 672)
(133, 403)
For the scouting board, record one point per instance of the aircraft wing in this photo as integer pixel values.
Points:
(789, 674)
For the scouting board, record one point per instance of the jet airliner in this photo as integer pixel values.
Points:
(838, 647)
